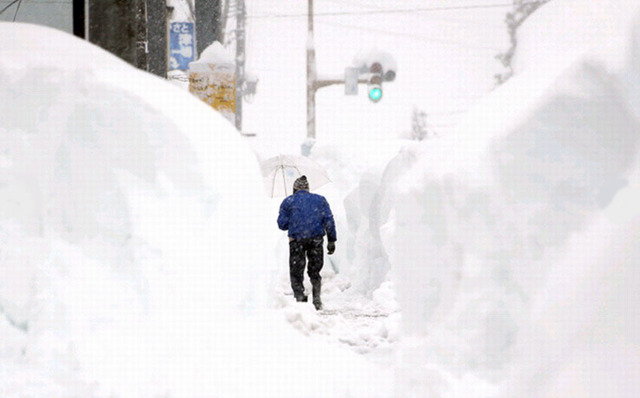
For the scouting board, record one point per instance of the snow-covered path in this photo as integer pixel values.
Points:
(368, 326)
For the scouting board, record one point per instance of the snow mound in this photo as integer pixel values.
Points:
(135, 241)
(510, 240)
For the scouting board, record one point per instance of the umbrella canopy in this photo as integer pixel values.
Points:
(279, 173)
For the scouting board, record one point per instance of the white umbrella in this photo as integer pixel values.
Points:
(279, 173)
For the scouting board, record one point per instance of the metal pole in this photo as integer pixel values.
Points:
(86, 19)
(311, 76)
(240, 57)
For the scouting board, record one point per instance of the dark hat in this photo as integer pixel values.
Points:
(300, 183)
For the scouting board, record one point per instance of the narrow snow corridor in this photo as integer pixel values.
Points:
(141, 256)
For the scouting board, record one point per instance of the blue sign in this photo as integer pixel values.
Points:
(182, 48)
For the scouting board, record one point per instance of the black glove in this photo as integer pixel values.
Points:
(331, 247)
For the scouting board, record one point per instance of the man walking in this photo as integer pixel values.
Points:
(307, 217)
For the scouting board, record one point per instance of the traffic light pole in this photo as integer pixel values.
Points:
(313, 84)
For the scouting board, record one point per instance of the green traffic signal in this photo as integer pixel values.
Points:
(375, 94)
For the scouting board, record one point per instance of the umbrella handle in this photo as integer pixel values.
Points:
(284, 183)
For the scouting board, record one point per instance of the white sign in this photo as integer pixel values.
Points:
(351, 81)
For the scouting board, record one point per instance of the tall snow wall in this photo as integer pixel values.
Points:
(511, 241)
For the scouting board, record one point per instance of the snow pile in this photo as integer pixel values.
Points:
(215, 54)
(181, 10)
(514, 241)
(136, 243)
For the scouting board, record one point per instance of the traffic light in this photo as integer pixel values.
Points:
(389, 75)
(375, 82)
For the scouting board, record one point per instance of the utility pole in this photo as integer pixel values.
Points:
(240, 58)
(313, 84)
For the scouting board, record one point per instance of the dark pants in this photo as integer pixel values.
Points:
(299, 251)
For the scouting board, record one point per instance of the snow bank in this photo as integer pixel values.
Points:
(511, 240)
(564, 29)
(136, 243)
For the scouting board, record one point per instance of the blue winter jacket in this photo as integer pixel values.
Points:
(306, 215)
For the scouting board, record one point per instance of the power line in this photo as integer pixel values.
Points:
(32, 3)
(352, 4)
(390, 11)
(412, 36)
(17, 9)
(10, 4)
(451, 112)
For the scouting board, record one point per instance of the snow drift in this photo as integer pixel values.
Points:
(511, 241)
(135, 243)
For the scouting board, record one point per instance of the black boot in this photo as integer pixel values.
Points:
(317, 302)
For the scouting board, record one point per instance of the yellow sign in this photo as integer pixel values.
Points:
(215, 87)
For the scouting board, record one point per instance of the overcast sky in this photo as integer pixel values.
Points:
(54, 13)
(445, 51)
